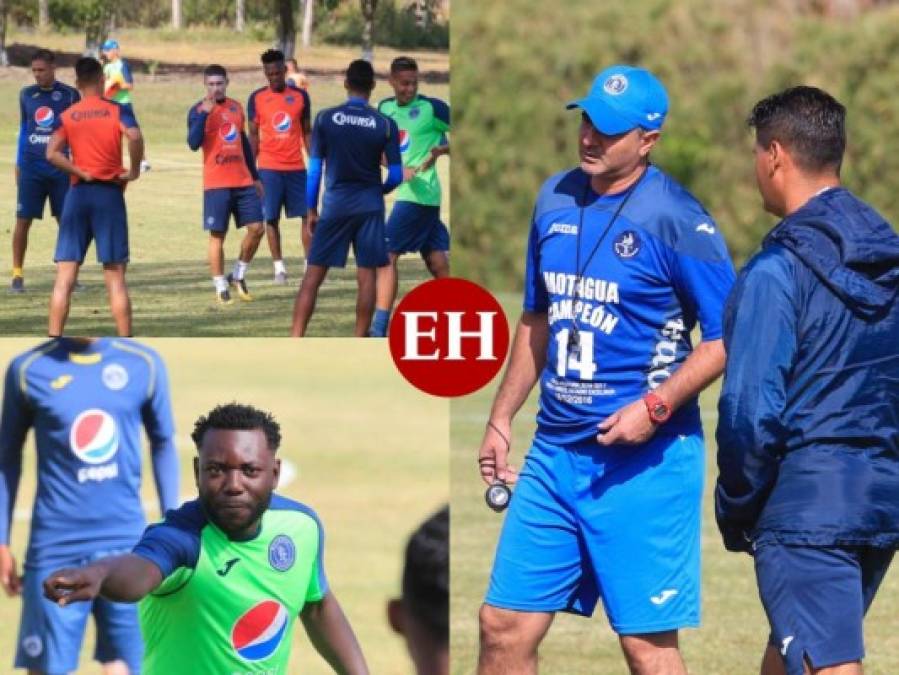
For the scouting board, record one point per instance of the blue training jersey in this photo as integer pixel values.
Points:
(350, 139)
(40, 114)
(86, 404)
(639, 292)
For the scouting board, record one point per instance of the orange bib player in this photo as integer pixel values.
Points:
(231, 183)
(94, 208)
(279, 117)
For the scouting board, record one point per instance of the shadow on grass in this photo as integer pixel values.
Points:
(176, 299)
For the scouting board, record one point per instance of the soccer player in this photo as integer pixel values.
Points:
(40, 108)
(117, 73)
(421, 615)
(222, 579)
(86, 400)
(95, 204)
(414, 223)
(279, 133)
(808, 442)
(231, 184)
(119, 82)
(350, 140)
(622, 263)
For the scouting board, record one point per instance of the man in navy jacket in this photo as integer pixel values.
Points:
(808, 430)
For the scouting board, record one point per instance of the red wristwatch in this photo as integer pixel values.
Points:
(659, 411)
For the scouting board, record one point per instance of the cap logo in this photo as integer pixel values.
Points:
(615, 85)
(652, 117)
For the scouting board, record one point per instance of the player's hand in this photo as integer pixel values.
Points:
(128, 176)
(493, 455)
(83, 176)
(260, 190)
(207, 105)
(9, 578)
(310, 221)
(73, 585)
(629, 425)
(409, 173)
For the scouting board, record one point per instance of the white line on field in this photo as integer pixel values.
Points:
(151, 506)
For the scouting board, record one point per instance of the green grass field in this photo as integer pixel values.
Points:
(734, 628)
(171, 290)
(370, 452)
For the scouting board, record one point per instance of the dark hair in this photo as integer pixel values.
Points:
(43, 55)
(360, 75)
(808, 121)
(272, 56)
(238, 416)
(426, 575)
(401, 63)
(215, 69)
(88, 69)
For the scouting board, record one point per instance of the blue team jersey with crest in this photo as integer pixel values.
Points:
(351, 138)
(660, 268)
(40, 113)
(86, 405)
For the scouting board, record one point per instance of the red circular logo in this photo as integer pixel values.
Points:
(449, 337)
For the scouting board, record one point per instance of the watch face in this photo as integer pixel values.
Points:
(660, 410)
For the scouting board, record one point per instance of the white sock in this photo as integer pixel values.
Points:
(220, 283)
(305, 266)
(279, 267)
(240, 268)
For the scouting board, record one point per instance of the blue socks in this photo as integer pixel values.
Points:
(379, 323)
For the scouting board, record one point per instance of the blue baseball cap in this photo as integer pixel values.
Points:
(624, 98)
(109, 44)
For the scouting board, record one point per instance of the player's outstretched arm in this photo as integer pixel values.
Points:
(525, 364)
(332, 636)
(124, 578)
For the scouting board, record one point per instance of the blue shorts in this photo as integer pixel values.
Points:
(621, 523)
(333, 236)
(417, 228)
(285, 189)
(816, 599)
(50, 636)
(93, 211)
(35, 188)
(220, 203)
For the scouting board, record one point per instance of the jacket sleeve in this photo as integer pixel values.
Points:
(196, 128)
(760, 336)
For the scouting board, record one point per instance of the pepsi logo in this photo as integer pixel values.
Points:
(281, 121)
(405, 140)
(94, 438)
(44, 117)
(228, 132)
(257, 634)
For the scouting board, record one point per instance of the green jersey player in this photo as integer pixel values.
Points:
(221, 580)
(414, 224)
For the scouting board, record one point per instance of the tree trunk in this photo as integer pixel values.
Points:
(176, 14)
(308, 11)
(98, 18)
(287, 31)
(368, 13)
(239, 19)
(43, 14)
(4, 58)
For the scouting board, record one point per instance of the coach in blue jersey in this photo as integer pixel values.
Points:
(622, 264)
(40, 109)
(86, 401)
(808, 425)
(350, 140)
